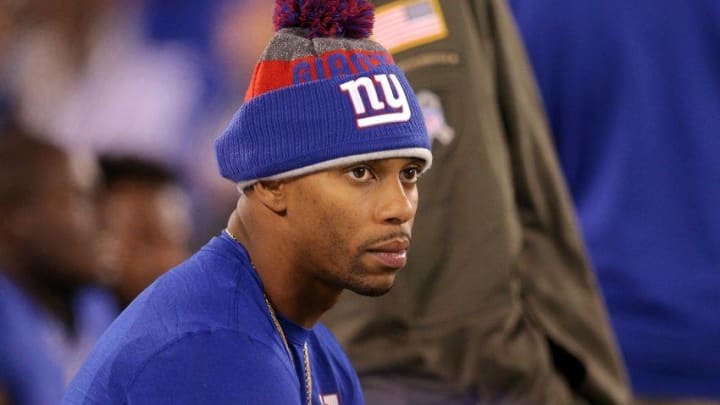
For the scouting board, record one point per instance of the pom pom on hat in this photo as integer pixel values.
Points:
(326, 18)
(322, 95)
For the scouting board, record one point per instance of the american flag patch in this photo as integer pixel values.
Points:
(401, 25)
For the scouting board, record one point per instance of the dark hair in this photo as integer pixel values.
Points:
(21, 170)
(116, 169)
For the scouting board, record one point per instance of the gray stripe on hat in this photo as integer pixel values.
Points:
(290, 43)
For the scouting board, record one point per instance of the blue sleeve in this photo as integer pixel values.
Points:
(215, 367)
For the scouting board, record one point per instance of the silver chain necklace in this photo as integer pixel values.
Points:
(306, 352)
(281, 332)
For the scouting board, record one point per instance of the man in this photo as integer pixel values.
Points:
(631, 92)
(48, 321)
(499, 304)
(326, 150)
(145, 224)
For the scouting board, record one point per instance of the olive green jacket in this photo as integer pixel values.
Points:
(498, 298)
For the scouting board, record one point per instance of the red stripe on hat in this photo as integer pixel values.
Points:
(268, 76)
(275, 74)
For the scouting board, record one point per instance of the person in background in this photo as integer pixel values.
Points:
(145, 221)
(49, 318)
(326, 150)
(228, 52)
(498, 303)
(631, 90)
(84, 74)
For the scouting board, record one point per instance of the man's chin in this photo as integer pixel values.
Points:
(373, 289)
(372, 292)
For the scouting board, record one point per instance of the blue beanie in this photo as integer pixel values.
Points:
(322, 95)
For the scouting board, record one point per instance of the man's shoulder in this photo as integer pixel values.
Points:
(206, 293)
(195, 366)
(208, 290)
(209, 300)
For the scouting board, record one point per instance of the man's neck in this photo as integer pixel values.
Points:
(297, 298)
(293, 292)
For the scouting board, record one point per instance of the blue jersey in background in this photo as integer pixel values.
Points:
(632, 90)
(38, 355)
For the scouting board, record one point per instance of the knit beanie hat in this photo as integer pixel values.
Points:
(322, 95)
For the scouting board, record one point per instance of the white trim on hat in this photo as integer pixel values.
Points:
(419, 153)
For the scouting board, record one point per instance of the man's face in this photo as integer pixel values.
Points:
(351, 226)
(60, 224)
(146, 232)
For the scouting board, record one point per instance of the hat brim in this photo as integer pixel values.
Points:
(417, 153)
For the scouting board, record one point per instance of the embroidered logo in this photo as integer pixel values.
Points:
(434, 117)
(392, 107)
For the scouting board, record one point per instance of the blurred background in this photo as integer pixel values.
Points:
(109, 110)
(108, 114)
(153, 79)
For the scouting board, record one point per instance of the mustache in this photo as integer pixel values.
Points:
(390, 236)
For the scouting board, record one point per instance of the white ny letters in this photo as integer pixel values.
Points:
(379, 114)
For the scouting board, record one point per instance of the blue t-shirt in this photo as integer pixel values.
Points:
(202, 334)
(632, 90)
(38, 357)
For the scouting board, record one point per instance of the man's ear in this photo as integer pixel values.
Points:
(272, 194)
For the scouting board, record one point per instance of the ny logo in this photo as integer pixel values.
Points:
(394, 108)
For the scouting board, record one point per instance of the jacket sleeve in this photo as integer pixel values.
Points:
(552, 249)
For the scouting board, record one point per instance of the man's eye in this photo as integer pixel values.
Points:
(410, 174)
(360, 173)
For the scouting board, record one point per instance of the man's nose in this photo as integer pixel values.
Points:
(397, 202)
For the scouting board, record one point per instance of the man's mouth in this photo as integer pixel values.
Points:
(391, 253)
